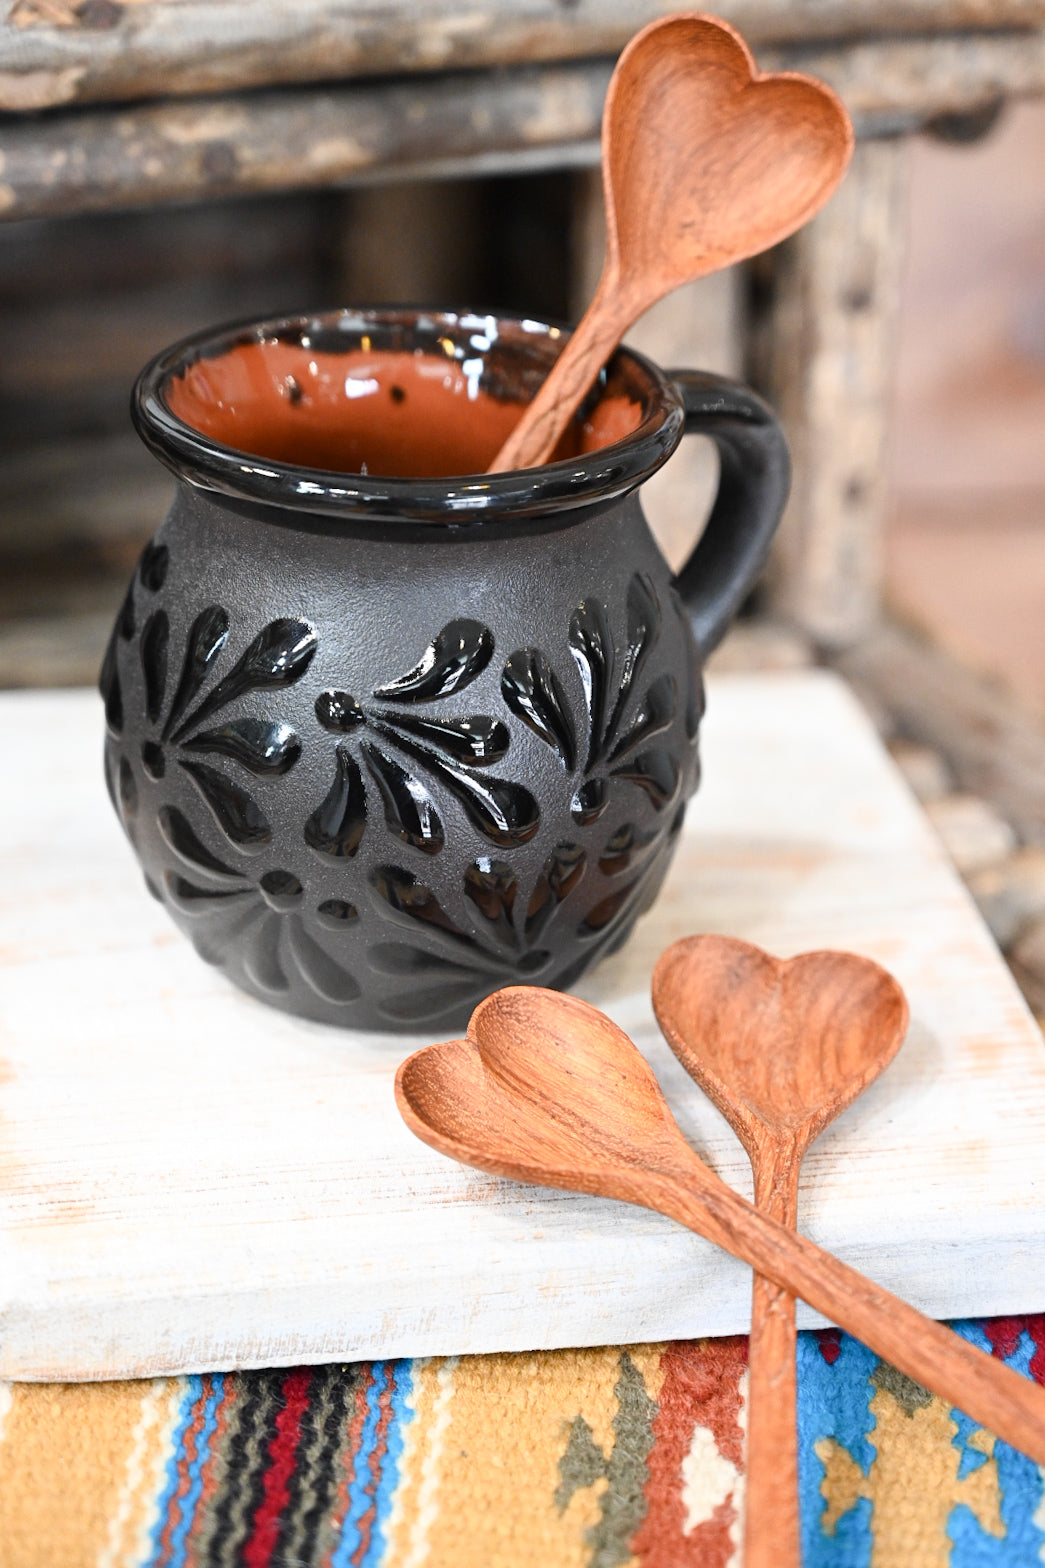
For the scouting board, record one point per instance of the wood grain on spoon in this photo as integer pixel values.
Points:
(705, 161)
(781, 1047)
(548, 1090)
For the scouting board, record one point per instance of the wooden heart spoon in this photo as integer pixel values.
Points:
(705, 160)
(781, 1048)
(546, 1089)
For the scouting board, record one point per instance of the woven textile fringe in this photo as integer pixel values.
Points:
(608, 1458)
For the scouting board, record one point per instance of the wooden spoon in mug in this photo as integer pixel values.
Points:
(547, 1089)
(781, 1048)
(705, 160)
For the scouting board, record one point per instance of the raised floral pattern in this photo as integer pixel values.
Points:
(261, 920)
(394, 744)
(402, 760)
(457, 965)
(229, 907)
(622, 729)
(180, 730)
(620, 743)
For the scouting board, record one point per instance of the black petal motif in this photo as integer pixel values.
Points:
(326, 977)
(409, 809)
(261, 746)
(339, 711)
(694, 707)
(477, 739)
(153, 650)
(336, 827)
(561, 872)
(644, 622)
(281, 890)
(125, 621)
(179, 836)
(491, 886)
(589, 802)
(504, 812)
(127, 790)
(531, 690)
(152, 567)
(411, 900)
(625, 848)
(404, 962)
(450, 987)
(236, 813)
(591, 644)
(194, 900)
(695, 688)
(603, 914)
(261, 958)
(112, 695)
(153, 760)
(452, 660)
(655, 715)
(654, 771)
(278, 656)
(207, 636)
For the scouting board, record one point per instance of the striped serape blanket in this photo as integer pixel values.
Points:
(557, 1459)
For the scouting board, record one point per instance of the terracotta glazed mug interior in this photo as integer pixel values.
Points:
(355, 395)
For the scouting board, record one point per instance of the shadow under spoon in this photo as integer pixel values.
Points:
(781, 1047)
(548, 1090)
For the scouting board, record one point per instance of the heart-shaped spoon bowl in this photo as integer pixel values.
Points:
(705, 161)
(549, 1090)
(777, 1043)
(708, 160)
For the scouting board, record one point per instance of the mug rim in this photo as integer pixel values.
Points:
(461, 502)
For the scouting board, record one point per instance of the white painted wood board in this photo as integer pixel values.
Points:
(189, 1180)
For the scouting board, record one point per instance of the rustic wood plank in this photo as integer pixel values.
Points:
(55, 52)
(189, 1179)
(203, 149)
(474, 122)
(994, 746)
(823, 353)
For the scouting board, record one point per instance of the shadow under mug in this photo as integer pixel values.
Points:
(387, 732)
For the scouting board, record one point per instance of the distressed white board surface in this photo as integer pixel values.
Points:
(189, 1180)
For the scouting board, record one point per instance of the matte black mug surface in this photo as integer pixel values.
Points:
(386, 742)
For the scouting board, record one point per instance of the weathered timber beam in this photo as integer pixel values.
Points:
(91, 160)
(994, 747)
(824, 357)
(87, 51)
(467, 122)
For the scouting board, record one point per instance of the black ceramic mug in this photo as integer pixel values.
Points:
(383, 744)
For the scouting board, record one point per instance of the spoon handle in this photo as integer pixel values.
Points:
(544, 419)
(999, 1399)
(772, 1529)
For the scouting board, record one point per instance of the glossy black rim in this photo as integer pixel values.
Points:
(468, 501)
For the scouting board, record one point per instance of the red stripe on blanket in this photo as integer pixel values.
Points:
(700, 1388)
(1005, 1334)
(258, 1550)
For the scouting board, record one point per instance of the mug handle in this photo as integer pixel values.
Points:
(754, 479)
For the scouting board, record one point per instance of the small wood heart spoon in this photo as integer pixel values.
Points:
(546, 1089)
(705, 160)
(781, 1048)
